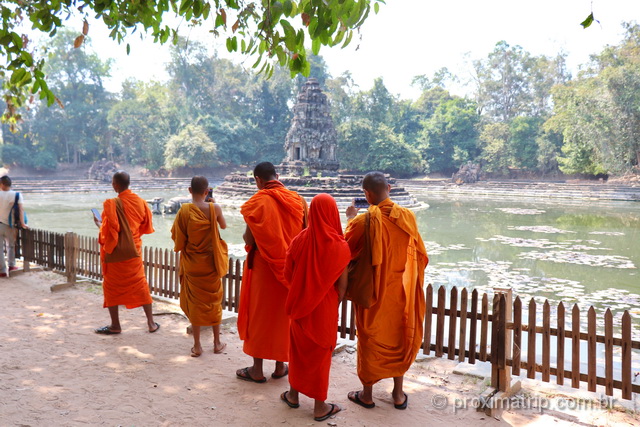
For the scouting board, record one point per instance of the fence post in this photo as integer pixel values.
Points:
(26, 249)
(70, 255)
(507, 338)
(492, 400)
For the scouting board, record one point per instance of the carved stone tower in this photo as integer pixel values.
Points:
(312, 140)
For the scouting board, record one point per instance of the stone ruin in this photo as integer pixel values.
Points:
(102, 170)
(310, 166)
(312, 140)
(468, 173)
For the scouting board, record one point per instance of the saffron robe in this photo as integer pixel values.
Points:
(315, 260)
(200, 282)
(390, 331)
(124, 282)
(274, 216)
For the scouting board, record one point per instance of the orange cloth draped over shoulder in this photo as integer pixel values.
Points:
(390, 331)
(274, 216)
(124, 282)
(315, 260)
(199, 247)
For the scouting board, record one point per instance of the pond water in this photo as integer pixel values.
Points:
(576, 252)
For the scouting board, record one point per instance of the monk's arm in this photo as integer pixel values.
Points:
(248, 237)
(179, 231)
(341, 284)
(220, 217)
(354, 235)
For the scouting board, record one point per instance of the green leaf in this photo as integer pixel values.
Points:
(376, 7)
(17, 75)
(25, 79)
(348, 39)
(184, 6)
(128, 49)
(315, 46)
(287, 7)
(587, 22)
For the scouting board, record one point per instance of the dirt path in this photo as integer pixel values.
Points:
(55, 371)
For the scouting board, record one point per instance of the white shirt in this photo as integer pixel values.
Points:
(7, 199)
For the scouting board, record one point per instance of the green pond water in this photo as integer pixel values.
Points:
(575, 252)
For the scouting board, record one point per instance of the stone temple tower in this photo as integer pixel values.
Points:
(312, 140)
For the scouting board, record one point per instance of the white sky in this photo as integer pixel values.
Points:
(412, 37)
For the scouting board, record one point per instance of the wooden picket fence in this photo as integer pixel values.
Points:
(493, 332)
(80, 255)
(469, 328)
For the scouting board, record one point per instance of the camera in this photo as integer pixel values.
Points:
(360, 203)
(209, 197)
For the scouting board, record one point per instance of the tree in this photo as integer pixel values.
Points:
(597, 113)
(141, 123)
(523, 142)
(75, 129)
(450, 137)
(502, 82)
(377, 104)
(274, 31)
(190, 148)
(495, 155)
(364, 146)
(390, 153)
(354, 143)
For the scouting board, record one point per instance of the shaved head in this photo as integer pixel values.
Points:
(376, 183)
(199, 184)
(121, 180)
(265, 171)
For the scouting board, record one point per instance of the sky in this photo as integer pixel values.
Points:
(414, 37)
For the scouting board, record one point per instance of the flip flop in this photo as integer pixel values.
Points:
(224, 345)
(194, 354)
(156, 329)
(286, 372)
(283, 397)
(247, 377)
(356, 399)
(330, 413)
(105, 330)
(402, 405)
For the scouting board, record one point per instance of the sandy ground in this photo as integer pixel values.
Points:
(54, 370)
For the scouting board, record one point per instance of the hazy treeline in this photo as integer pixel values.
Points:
(526, 113)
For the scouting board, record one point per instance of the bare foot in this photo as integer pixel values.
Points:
(217, 349)
(196, 351)
(330, 409)
(282, 370)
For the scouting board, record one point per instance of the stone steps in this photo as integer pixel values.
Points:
(526, 189)
(40, 186)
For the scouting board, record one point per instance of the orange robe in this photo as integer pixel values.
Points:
(315, 260)
(274, 216)
(390, 331)
(200, 282)
(124, 282)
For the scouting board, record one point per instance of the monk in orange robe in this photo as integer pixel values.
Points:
(124, 281)
(204, 261)
(316, 268)
(390, 330)
(274, 216)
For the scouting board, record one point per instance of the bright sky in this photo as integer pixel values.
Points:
(412, 37)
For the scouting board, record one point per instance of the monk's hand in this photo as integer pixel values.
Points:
(352, 211)
(98, 223)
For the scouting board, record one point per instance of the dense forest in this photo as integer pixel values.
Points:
(527, 113)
